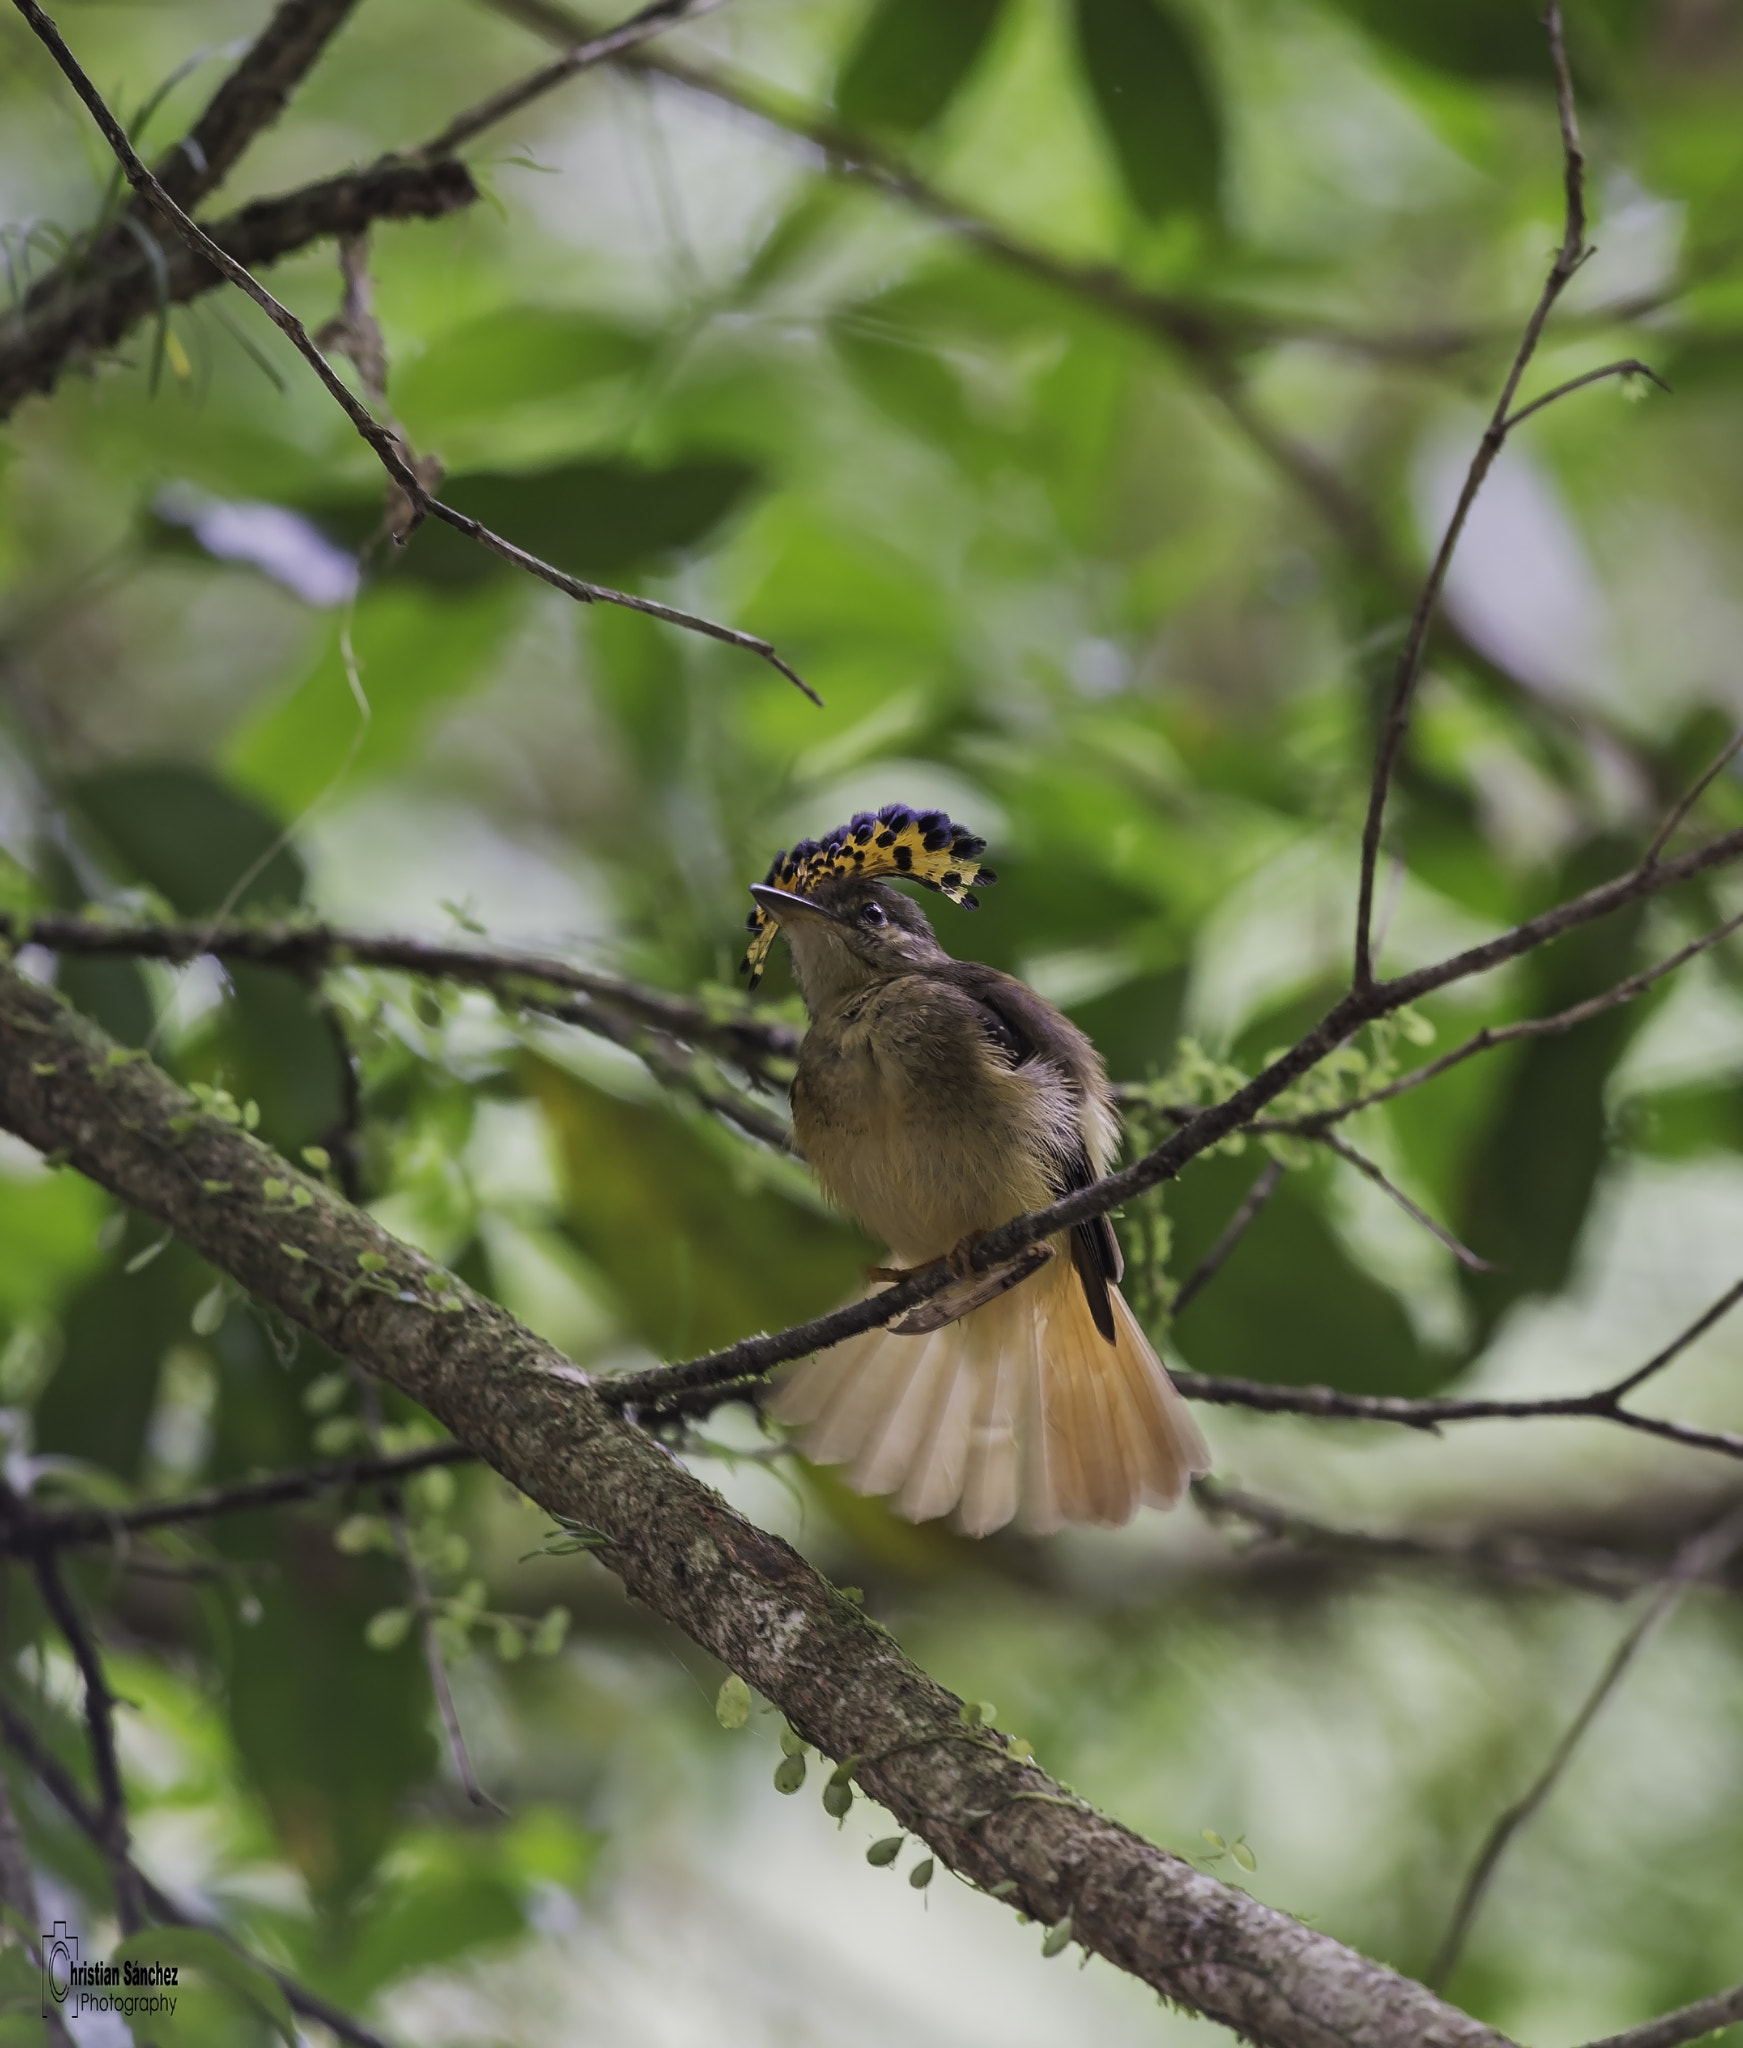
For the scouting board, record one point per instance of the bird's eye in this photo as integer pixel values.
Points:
(872, 913)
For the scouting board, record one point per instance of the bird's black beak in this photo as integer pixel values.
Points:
(786, 908)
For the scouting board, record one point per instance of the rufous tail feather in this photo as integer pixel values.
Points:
(1019, 1411)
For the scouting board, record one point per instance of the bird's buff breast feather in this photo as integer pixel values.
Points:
(911, 1128)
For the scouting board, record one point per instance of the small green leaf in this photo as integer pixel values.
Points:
(884, 1852)
(321, 1396)
(274, 1189)
(318, 1157)
(791, 1744)
(511, 1642)
(358, 1533)
(921, 1874)
(789, 1774)
(293, 1251)
(1243, 1855)
(1057, 1937)
(140, 1260)
(208, 1311)
(1214, 1839)
(388, 1629)
(837, 1798)
(548, 1636)
(732, 1702)
(371, 1262)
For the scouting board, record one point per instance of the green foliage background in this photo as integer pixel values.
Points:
(1046, 578)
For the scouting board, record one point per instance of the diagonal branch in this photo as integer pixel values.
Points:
(1265, 1185)
(1687, 2023)
(1531, 1027)
(64, 321)
(56, 1526)
(1698, 1558)
(251, 99)
(111, 1836)
(1569, 257)
(387, 446)
(843, 1684)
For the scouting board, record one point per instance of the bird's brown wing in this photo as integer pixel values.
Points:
(1025, 1027)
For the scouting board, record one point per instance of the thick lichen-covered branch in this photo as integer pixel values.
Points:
(748, 1598)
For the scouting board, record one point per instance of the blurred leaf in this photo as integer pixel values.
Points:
(190, 837)
(595, 519)
(215, 1960)
(1531, 1182)
(1290, 1305)
(513, 356)
(1494, 41)
(696, 1252)
(911, 59)
(1157, 104)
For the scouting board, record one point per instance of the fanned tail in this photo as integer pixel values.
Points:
(1019, 1411)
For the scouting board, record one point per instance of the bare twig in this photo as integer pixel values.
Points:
(387, 447)
(1569, 257)
(23, 1740)
(1698, 1557)
(1687, 2023)
(1631, 366)
(1265, 1185)
(57, 1526)
(100, 1724)
(1367, 1168)
(583, 55)
(1692, 796)
(1513, 1556)
(1531, 1027)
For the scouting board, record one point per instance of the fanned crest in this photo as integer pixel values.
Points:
(923, 846)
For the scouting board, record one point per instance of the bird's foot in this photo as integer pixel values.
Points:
(960, 1260)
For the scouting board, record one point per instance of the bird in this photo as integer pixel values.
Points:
(935, 1099)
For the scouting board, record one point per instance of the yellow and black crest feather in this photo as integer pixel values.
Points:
(923, 846)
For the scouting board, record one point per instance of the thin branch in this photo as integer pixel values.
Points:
(387, 447)
(1692, 796)
(1687, 2023)
(64, 319)
(740, 1593)
(1698, 1558)
(585, 53)
(1367, 1168)
(1568, 259)
(1531, 1027)
(598, 1002)
(57, 1526)
(22, 1739)
(1631, 366)
(100, 1725)
(1265, 1185)
(1514, 1556)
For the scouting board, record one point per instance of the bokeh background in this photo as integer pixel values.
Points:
(1090, 502)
